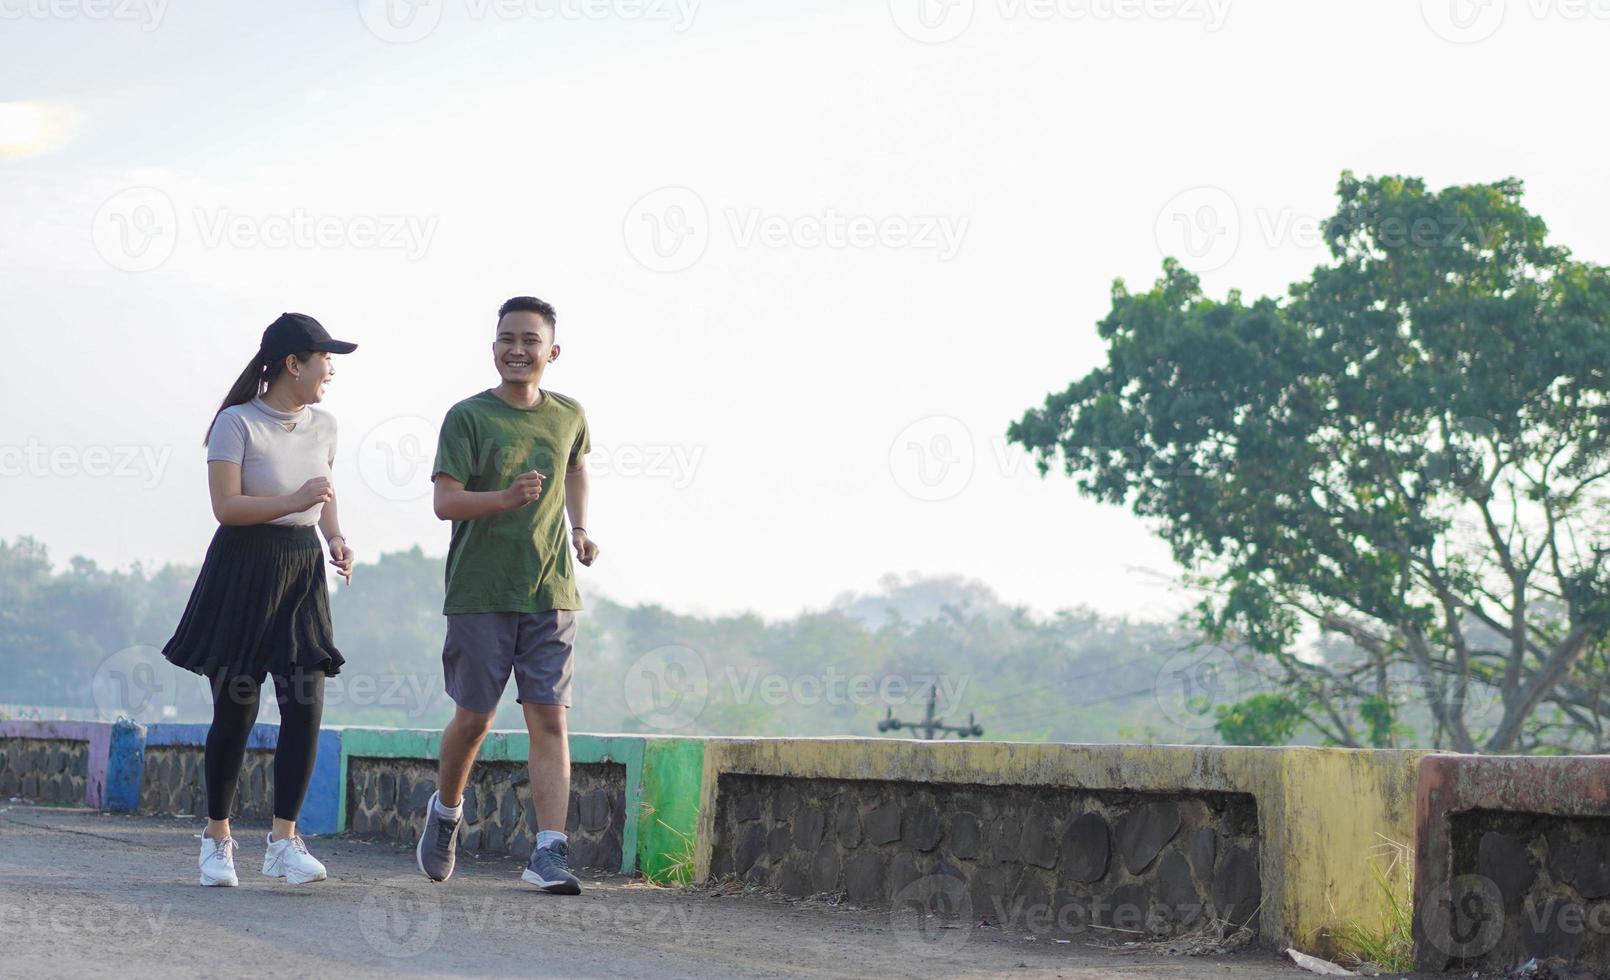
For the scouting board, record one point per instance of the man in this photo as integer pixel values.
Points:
(511, 592)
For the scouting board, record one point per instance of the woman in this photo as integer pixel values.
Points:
(260, 607)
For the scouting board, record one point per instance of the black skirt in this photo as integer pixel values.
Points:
(260, 606)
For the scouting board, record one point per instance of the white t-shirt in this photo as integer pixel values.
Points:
(275, 461)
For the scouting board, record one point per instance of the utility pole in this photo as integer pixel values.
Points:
(931, 726)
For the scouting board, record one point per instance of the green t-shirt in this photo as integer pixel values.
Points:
(518, 560)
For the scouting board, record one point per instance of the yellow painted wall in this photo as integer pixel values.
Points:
(1322, 813)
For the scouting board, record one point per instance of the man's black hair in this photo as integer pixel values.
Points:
(529, 304)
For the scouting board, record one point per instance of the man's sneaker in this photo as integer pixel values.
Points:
(438, 843)
(549, 870)
(218, 862)
(290, 860)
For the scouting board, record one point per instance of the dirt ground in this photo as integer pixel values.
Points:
(84, 893)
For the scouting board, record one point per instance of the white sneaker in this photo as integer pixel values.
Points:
(218, 862)
(290, 860)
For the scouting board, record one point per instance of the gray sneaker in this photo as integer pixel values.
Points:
(549, 870)
(438, 844)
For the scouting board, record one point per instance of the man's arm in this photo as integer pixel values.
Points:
(576, 506)
(454, 503)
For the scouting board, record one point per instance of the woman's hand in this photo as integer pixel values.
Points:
(313, 492)
(341, 557)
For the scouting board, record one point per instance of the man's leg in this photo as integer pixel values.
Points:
(549, 764)
(476, 660)
(461, 740)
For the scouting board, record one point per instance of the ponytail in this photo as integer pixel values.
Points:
(252, 382)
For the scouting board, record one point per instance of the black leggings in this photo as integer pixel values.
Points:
(234, 712)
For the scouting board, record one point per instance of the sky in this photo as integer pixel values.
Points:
(809, 261)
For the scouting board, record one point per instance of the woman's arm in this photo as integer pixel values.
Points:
(340, 553)
(234, 508)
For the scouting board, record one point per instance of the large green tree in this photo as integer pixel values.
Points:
(1407, 451)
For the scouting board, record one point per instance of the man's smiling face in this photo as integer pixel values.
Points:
(524, 346)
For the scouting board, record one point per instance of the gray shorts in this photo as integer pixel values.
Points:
(483, 648)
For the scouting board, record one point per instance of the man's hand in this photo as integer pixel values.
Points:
(526, 488)
(586, 550)
(341, 557)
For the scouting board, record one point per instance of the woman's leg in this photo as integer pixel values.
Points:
(234, 711)
(301, 701)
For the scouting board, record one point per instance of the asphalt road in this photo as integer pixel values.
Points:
(83, 893)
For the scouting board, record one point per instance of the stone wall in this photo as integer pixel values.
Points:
(175, 783)
(1529, 885)
(386, 798)
(43, 770)
(1038, 858)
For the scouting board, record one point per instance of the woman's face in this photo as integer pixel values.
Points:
(307, 379)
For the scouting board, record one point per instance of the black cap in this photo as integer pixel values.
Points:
(294, 333)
